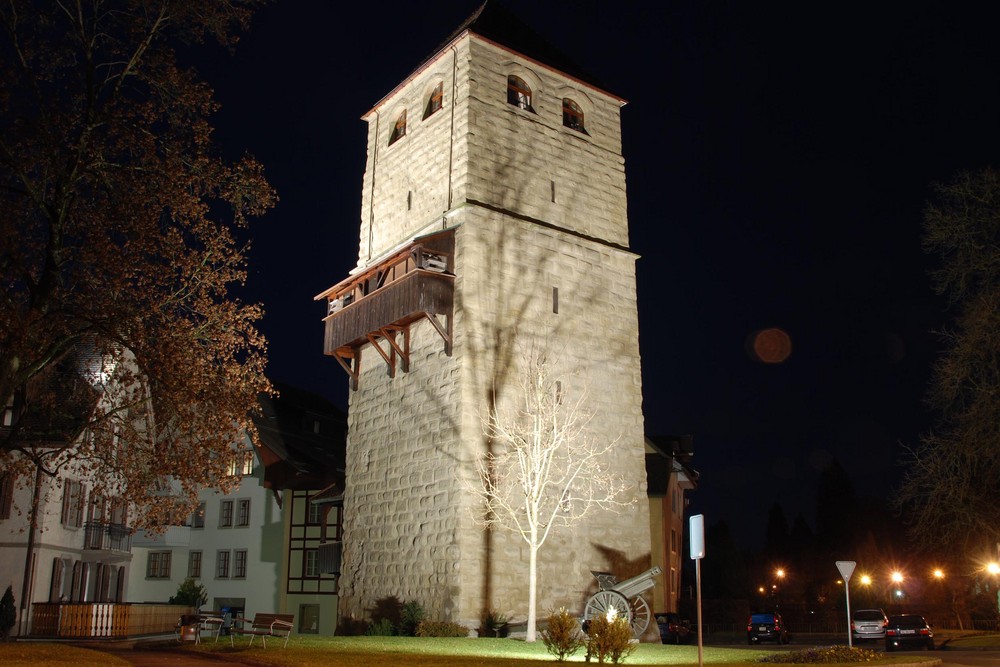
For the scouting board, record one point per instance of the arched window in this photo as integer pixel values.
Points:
(399, 129)
(518, 93)
(573, 115)
(434, 101)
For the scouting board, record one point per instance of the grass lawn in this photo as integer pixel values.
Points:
(44, 655)
(407, 651)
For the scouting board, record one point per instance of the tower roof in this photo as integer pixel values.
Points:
(498, 24)
(494, 22)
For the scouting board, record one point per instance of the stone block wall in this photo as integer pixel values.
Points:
(411, 528)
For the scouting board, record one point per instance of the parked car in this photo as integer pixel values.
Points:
(868, 624)
(766, 627)
(908, 630)
(672, 629)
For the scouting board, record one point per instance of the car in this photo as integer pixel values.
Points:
(672, 629)
(908, 630)
(766, 627)
(868, 624)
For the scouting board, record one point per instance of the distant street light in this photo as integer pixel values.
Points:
(866, 580)
(938, 573)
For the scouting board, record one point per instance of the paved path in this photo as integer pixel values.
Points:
(160, 656)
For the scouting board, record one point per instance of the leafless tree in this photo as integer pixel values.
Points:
(545, 471)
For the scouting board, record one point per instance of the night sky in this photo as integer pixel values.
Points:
(778, 157)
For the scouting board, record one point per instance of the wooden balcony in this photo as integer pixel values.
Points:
(378, 305)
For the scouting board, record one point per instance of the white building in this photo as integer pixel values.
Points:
(257, 549)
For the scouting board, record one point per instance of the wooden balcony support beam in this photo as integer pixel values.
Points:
(444, 330)
(350, 361)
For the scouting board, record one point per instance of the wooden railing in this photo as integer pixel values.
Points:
(95, 620)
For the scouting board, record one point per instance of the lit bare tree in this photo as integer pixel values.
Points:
(544, 471)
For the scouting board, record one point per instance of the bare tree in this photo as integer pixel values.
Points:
(950, 491)
(545, 472)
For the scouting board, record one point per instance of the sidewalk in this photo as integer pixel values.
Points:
(160, 654)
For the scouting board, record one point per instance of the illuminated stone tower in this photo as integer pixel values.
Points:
(493, 220)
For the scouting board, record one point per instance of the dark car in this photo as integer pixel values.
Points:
(868, 624)
(908, 630)
(672, 629)
(766, 628)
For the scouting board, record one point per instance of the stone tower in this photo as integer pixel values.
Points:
(493, 221)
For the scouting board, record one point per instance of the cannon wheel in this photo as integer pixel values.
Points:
(640, 615)
(601, 601)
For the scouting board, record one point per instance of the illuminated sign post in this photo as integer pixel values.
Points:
(846, 568)
(696, 530)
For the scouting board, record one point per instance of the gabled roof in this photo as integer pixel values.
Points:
(302, 439)
(670, 454)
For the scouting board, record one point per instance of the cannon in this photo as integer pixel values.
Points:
(625, 597)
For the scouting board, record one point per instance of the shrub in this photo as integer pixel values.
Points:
(441, 629)
(383, 627)
(190, 593)
(8, 614)
(409, 618)
(825, 654)
(493, 624)
(562, 636)
(609, 639)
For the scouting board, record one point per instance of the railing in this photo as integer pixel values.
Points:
(107, 536)
(90, 620)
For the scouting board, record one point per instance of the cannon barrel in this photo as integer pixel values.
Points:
(639, 583)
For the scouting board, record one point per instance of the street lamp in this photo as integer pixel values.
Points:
(897, 579)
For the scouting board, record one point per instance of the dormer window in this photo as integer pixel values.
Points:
(399, 129)
(518, 93)
(434, 101)
(573, 115)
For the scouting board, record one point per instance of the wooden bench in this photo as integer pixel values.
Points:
(264, 626)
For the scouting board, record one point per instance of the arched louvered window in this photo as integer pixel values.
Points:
(434, 101)
(399, 129)
(573, 115)
(518, 93)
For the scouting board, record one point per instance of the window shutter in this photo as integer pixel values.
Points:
(328, 558)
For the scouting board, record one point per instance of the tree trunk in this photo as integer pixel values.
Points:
(532, 585)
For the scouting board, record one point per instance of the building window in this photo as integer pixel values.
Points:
(6, 494)
(194, 564)
(518, 93)
(310, 563)
(243, 512)
(399, 129)
(434, 100)
(573, 115)
(222, 564)
(158, 565)
(315, 513)
(198, 518)
(72, 509)
(226, 514)
(240, 564)
(242, 464)
(8, 412)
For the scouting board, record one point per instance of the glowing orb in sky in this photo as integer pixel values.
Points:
(772, 346)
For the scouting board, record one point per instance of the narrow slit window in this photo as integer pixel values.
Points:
(518, 93)
(552, 188)
(399, 129)
(434, 100)
(555, 300)
(573, 115)
(409, 200)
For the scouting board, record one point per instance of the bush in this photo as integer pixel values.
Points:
(562, 636)
(441, 629)
(383, 627)
(190, 593)
(409, 618)
(609, 639)
(825, 654)
(493, 624)
(8, 614)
